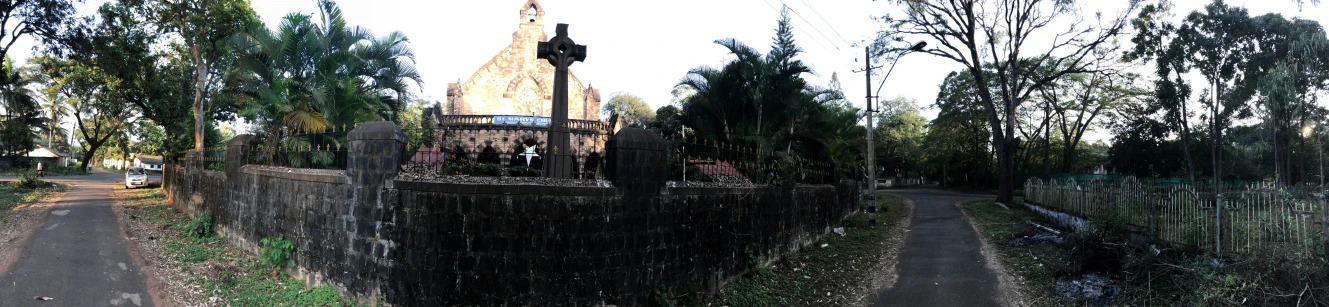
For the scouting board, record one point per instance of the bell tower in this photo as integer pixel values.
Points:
(532, 13)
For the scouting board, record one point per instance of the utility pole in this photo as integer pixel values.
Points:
(872, 166)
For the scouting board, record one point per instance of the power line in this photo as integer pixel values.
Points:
(823, 20)
(838, 55)
(805, 21)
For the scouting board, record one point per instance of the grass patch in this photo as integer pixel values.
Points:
(806, 278)
(1035, 266)
(49, 170)
(232, 275)
(13, 194)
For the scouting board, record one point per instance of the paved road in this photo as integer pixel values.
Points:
(940, 263)
(76, 255)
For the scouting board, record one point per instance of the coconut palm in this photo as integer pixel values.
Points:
(21, 111)
(308, 75)
(56, 108)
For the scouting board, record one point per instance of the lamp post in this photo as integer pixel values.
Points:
(872, 167)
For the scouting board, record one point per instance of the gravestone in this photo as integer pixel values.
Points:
(561, 52)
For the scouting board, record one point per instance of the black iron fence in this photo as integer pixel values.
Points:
(478, 148)
(703, 160)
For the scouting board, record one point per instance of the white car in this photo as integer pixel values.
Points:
(136, 177)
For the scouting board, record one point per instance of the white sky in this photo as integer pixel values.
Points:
(646, 47)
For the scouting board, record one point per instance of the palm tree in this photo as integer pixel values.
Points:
(56, 110)
(760, 100)
(307, 76)
(21, 110)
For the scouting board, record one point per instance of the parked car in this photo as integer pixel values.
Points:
(136, 177)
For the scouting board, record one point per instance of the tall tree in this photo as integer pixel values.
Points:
(668, 120)
(630, 107)
(205, 27)
(307, 75)
(760, 100)
(40, 18)
(1080, 101)
(899, 138)
(21, 114)
(995, 32)
(957, 141)
(1155, 39)
(99, 114)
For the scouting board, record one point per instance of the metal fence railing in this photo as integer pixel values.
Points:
(1252, 220)
(703, 160)
(482, 146)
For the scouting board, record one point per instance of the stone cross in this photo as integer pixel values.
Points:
(561, 52)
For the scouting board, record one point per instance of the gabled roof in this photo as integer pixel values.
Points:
(149, 159)
(43, 152)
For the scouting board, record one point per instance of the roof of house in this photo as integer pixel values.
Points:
(43, 152)
(149, 159)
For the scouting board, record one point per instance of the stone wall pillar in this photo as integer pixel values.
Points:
(373, 158)
(635, 161)
(237, 155)
(194, 160)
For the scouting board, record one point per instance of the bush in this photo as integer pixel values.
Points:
(200, 226)
(29, 180)
(276, 252)
(523, 171)
(486, 169)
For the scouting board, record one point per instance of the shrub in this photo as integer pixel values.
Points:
(523, 171)
(486, 169)
(276, 251)
(29, 180)
(200, 226)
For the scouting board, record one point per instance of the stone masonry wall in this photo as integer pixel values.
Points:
(438, 244)
(536, 245)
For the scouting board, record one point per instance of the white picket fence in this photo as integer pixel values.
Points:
(1253, 220)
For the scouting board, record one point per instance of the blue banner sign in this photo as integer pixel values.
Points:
(521, 120)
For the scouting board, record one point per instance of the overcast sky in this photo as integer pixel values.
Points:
(646, 47)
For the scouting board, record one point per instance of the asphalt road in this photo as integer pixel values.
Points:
(76, 255)
(941, 263)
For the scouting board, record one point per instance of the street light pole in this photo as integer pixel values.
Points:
(872, 165)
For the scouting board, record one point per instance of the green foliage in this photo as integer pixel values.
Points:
(13, 195)
(957, 142)
(217, 166)
(276, 252)
(899, 136)
(668, 121)
(632, 108)
(200, 226)
(239, 279)
(29, 180)
(762, 101)
(310, 75)
(663, 297)
(523, 171)
(22, 114)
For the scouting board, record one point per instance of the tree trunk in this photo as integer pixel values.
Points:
(202, 74)
(87, 155)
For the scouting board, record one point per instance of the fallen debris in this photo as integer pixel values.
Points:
(1093, 287)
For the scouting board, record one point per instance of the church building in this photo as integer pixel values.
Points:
(516, 82)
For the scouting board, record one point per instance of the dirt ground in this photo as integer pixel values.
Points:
(143, 221)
